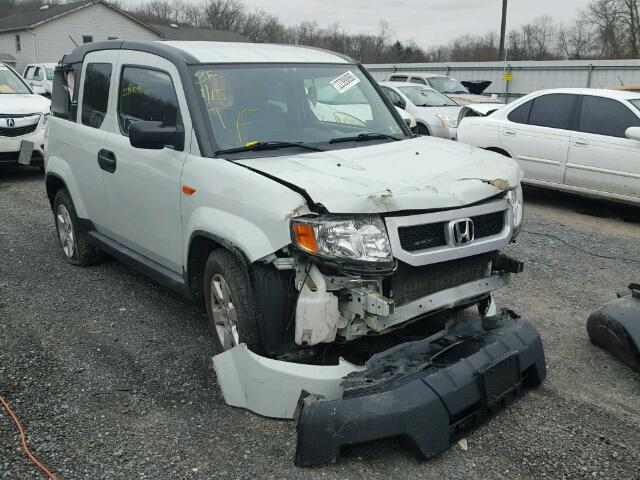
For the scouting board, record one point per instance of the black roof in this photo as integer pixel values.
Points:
(20, 21)
(161, 49)
(181, 32)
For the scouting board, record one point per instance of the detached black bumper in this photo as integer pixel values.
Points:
(427, 393)
(615, 327)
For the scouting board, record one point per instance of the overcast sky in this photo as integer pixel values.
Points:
(428, 22)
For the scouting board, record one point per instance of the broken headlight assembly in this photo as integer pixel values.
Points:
(517, 206)
(361, 242)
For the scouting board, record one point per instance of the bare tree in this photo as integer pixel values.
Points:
(224, 14)
(576, 40)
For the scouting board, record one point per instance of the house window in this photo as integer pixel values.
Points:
(112, 38)
(18, 43)
(87, 38)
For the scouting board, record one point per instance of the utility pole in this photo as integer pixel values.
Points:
(503, 29)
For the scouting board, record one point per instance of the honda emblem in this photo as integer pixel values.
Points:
(461, 231)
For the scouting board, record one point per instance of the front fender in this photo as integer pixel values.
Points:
(237, 205)
(249, 238)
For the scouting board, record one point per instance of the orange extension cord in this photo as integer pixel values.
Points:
(23, 439)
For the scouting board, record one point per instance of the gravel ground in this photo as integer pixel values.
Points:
(111, 377)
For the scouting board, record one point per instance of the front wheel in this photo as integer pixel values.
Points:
(422, 130)
(230, 305)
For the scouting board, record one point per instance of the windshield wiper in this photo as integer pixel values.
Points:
(363, 137)
(270, 145)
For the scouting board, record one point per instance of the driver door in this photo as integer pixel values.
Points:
(143, 186)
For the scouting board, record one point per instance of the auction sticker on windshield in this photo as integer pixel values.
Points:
(345, 81)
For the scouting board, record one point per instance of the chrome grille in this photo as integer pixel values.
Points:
(430, 238)
(18, 125)
(18, 131)
(431, 235)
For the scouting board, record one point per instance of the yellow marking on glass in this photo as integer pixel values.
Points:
(217, 110)
(251, 144)
(244, 124)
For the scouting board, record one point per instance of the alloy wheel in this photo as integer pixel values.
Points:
(224, 313)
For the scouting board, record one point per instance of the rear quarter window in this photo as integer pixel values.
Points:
(521, 113)
(95, 94)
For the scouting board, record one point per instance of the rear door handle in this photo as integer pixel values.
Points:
(107, 160)
(581, 143)
(510, 133)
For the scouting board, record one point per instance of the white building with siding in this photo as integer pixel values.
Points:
(47, 34)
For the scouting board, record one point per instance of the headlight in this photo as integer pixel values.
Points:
(358, 240)
(45, 119)
(517, 207)
(447, 121)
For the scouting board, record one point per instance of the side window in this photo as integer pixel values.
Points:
(146, 95)
(393, 97)
(553, 110)
(604, 116)
(398, 78)
(520, 114)
(28, 74)
(418, 80)
(96, 93)
(38, 74)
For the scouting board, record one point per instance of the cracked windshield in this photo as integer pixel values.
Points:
(306, 105)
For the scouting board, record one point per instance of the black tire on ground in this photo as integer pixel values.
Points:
(422, 130)
(83, 252)
(222, 262)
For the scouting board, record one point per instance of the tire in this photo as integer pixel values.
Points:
(224, 277)
(422, 130)
(76, 248)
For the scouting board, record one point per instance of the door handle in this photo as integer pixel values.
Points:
(581, 143)
(107, 160)
(510, 133)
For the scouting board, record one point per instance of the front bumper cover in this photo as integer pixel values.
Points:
(427, 393)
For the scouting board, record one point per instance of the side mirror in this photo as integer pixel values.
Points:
(632, 133)
(399, 104)
(39, 90)
(155, 136)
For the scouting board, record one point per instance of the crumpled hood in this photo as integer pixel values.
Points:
(416, 174)
(17, 104)
(467, 98)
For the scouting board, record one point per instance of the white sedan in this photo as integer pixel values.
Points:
(23, 120)
(436, 114)
(578, 140)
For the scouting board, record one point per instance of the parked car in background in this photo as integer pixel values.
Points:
(574, 139)
(23, 119)
(350, 107)
(447, 85)
(436, 114)
(40, 76)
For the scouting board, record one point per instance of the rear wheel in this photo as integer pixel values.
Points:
(75, 246)
(230, 305)
(422, 130)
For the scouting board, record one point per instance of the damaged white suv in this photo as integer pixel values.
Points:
(207, 167)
